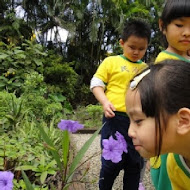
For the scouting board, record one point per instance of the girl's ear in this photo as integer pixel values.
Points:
(161, 27)
(121, 42)
(183, 126)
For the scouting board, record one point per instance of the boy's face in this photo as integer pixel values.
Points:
(134, 47)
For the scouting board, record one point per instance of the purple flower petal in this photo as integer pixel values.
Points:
(69, 125)
(122, 141)
(114, 148)
(117, 157)
(6, 180)
(141, 186)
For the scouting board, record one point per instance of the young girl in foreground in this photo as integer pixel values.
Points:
(158, 105)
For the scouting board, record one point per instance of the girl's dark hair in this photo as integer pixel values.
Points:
(163, 92)
(174, 9)
(136, 27)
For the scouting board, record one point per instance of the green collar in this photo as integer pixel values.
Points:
(176, 55)
(138, 62)
(181, 163)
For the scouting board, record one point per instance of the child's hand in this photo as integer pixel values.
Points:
(109, 109)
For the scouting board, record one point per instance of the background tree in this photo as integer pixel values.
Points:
(93, 27)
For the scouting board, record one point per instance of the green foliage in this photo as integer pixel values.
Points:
(63, 160)
(90, 116)
(34, 83)
(94, 111)
(13, 30)
(34, 98)
(62, 77)
(17, 61)
(4, 98)
(83, 94)
(23, 149)
(29, 56)
(11, 110)
(11, 84)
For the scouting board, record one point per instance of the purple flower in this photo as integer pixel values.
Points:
(69, 125)
(113, 149)
(6, 180)
(122, 141)
(141, 186)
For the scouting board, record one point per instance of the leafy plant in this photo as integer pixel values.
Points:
(11, 84)
(63, 160)
(62, 77)
(35, 98)
(90, 116)
(14, 112)
(23, 149)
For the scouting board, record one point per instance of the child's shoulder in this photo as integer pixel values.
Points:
(168, 55)
(113, 57)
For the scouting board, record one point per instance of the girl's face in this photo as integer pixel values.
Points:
(178, 35)
(142, 128)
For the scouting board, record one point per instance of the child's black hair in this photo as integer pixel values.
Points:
(174, 9)
(136, 27)
(163, 92)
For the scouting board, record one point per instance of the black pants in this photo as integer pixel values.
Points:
(131, 162)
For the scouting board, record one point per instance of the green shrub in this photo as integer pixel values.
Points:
(63, 79)
(90, 116)
(17, 61)
(11, 110)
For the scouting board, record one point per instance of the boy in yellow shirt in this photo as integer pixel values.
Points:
(109, 86)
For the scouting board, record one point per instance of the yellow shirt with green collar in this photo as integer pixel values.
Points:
(158, 170)
(168, 55)
(178, 172)
(116, 72)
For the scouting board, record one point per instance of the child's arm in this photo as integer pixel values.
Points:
(108, 107)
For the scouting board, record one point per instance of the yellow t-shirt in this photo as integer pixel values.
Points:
(116, 72)
(178, 172)
(168, 55)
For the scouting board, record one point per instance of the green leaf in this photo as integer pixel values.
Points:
(16, 84)
(25, 167)
(43, 177)
(80, 155)
(38, 62)
(16, 51)
(65, 146)
(51, 164)
(50, 143)
(10, 117)
(2, 84)
(27, 181)
(3, 56)
(3, 78)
